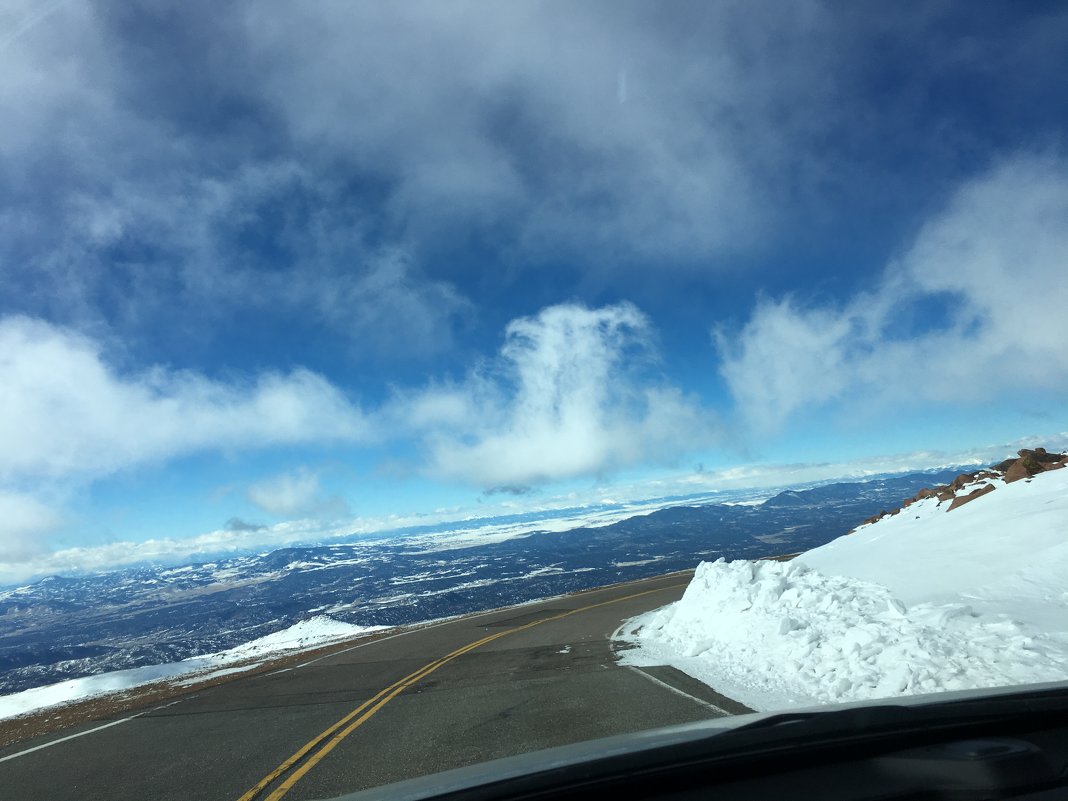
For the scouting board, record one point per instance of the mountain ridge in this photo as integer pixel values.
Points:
(76, 626)
(968, 486)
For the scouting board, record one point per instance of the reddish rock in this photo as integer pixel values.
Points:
(1026, 464)
(961, 480)
(872, 519)
(971, 496)
(1016, 471)
(922, 495)
(1039, 455)
(1024, 467)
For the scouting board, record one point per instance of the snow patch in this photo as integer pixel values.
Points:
(314, 632)
(921, 602)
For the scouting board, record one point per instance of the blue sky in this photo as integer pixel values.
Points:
(271, 271)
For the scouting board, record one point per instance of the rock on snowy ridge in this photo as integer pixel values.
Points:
(968, 486)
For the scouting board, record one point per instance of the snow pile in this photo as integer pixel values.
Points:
(314, 632)
(921, 602)
(999, 546)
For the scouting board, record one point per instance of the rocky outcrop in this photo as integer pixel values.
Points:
(960, 500)
(1030, 463)
(1026, 464)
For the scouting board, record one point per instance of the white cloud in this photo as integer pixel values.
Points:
(494, 120)
(68, 416)
(993, 261)
(573, 392)
(771, 476)
(163, 550)
(359, 130)
(570, 394)
(31, 563)
(771, 368)
(490, 113)
(66, 412)
(311, 266)
(286, 494)
(25, 524)
(385, 306)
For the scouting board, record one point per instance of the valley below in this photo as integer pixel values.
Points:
(66, 627)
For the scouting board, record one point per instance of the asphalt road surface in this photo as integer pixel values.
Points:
(426, 700)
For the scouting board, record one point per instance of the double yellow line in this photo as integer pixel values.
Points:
(361, 714)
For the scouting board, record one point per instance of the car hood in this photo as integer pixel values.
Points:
(650, 743)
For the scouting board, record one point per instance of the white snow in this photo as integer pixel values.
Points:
(314, 632)
(215, 674)
(466, 534)
(639, 562)
(924, 601)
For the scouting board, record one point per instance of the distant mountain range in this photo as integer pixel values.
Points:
(63, 627)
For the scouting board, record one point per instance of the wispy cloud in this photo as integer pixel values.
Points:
(315, 143)
(499, 115)
(66, 412)
(348, 166)
(573, 392)
(163, 550)
(287, 494)
(197, 257)
(970, 311)
(26, 525)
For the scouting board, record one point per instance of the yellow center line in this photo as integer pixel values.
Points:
(368, 708)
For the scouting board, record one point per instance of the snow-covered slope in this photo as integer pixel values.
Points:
(311, 633)
(919, 602)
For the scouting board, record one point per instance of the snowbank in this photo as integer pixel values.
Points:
(921, 602)
(316, 631)
(1009, 547)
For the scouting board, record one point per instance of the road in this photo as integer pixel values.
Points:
(425, 700)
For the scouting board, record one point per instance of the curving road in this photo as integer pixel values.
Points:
(417, 702)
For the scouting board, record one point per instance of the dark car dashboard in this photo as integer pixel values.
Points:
(981, 746)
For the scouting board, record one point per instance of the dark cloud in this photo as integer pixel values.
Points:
(237, 524)
(509, 489)
(382, 171)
